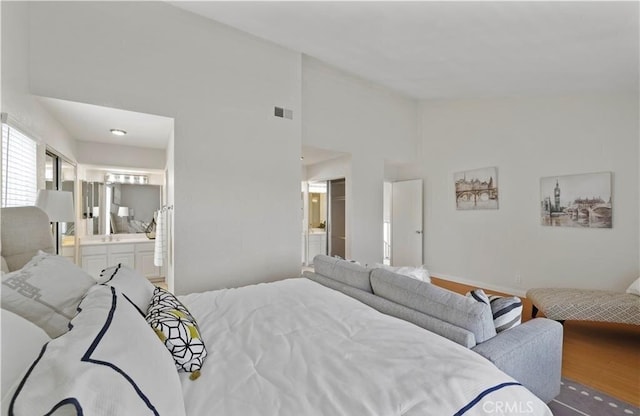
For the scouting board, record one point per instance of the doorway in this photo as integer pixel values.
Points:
(324, 216)
(403, 223)
(316, 220)
(337, 219)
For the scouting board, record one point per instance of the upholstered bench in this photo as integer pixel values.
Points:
(586, 305)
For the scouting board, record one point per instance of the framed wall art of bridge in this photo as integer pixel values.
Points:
(582, 200)
(477, 189)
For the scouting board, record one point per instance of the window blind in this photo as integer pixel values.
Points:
(19, 168)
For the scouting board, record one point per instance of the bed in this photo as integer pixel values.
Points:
(292, 347)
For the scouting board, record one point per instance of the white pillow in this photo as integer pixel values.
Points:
(134, 286)
(22, 341)
(418, 273)
(109, 363)
(634, 289)
(46, 291)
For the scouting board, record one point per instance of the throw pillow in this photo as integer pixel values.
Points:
(178, 330)
(133, 285)
(507, 311)
(634, 289)
(110, 363)
(46, 291)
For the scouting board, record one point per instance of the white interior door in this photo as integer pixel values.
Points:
(406, 223)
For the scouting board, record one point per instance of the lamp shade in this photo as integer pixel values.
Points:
(57, 204)
(123, 212)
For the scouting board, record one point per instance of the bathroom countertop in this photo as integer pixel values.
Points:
(123, 240)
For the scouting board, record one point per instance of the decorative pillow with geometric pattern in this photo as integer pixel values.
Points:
(507, 311)
(178, 330)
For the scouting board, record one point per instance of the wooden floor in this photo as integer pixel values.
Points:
(603, 356)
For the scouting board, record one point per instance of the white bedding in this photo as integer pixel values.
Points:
(297, 348)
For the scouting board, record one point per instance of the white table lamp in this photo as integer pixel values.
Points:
(57, 204)
(123, 212)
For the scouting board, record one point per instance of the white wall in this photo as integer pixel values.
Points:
(236, 167)
(344, 113)
(528, 139)
(120, 155)
(329, 169)
(24, 110)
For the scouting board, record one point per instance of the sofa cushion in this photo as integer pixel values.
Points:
(343, 271)
(324, 264)
(435, 301)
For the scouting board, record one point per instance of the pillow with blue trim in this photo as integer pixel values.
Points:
(131, 283)
(109, 363)
(506, 310)
(178, 330)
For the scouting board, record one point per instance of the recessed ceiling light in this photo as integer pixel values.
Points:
(118, 132)
(301, 157)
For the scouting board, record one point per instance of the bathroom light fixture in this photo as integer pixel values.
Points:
(121, 178)
(118, 132)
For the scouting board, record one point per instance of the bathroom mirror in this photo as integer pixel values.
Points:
(317, 206)
(119, 208)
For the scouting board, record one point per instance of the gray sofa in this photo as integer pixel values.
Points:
(531, 352)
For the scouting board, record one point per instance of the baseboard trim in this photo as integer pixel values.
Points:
(498, 288)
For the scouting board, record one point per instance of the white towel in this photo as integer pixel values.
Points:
(158, 252)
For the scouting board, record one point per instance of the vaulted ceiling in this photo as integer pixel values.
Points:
(452, 49)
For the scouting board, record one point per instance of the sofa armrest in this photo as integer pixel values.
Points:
(531, 353)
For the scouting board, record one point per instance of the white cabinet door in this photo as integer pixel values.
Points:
(317, 245)
(94, 264)
(138, 256)
(126, 259)
(93, 259)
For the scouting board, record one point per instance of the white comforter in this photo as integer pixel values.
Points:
(294, 347)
